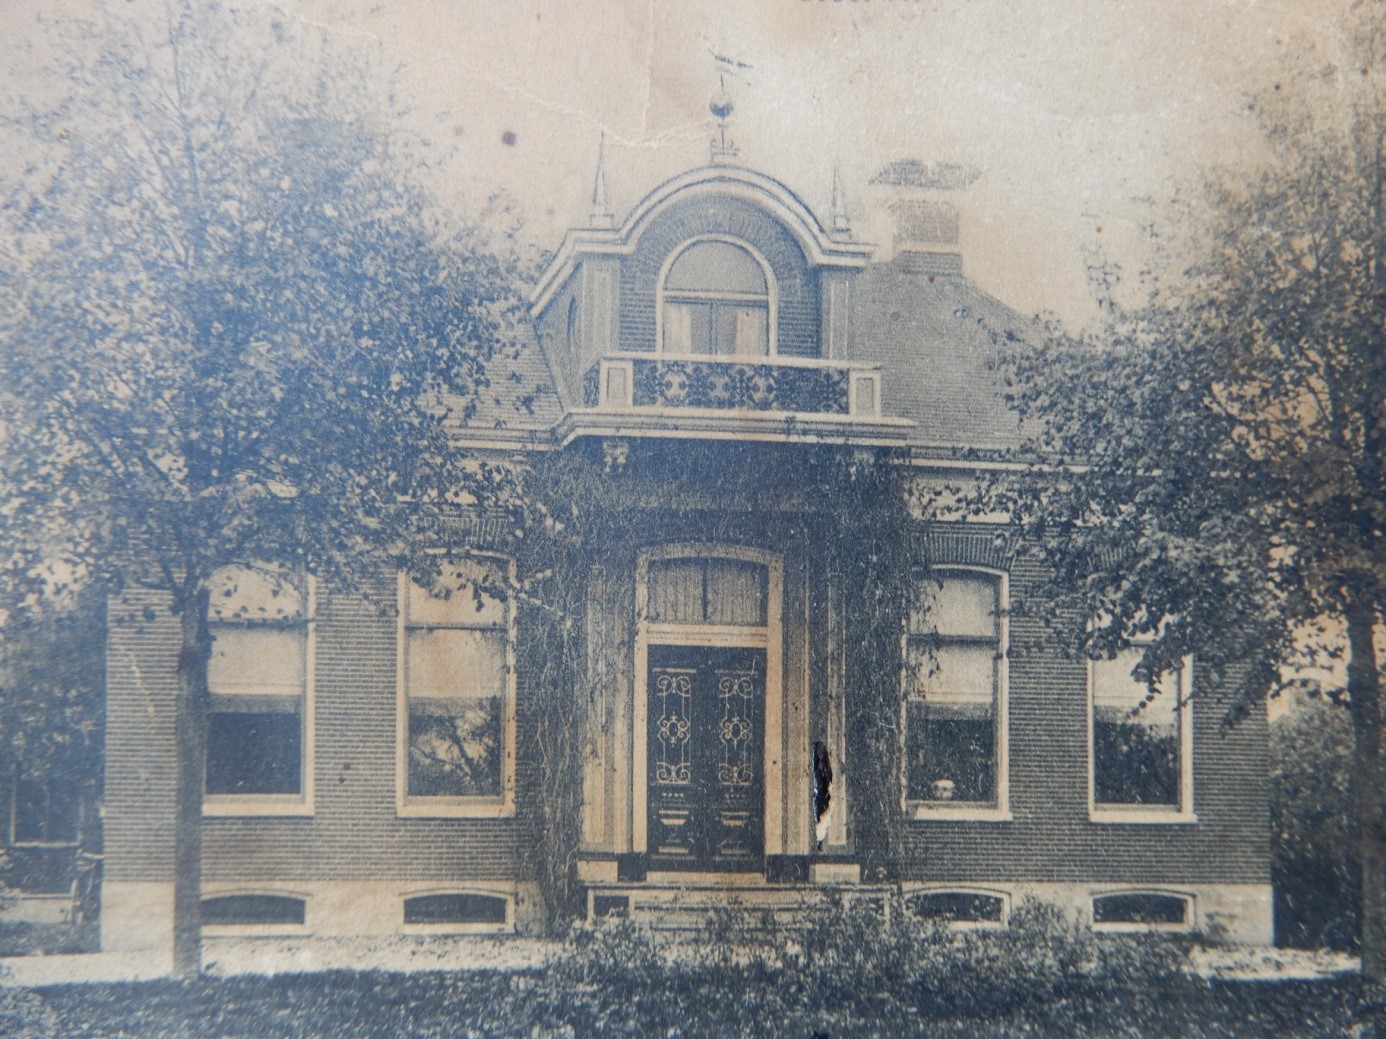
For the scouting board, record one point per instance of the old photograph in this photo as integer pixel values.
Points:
(737, 518)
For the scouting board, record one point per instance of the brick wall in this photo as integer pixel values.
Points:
(141, 686)
(354, 832)
(1051, 837)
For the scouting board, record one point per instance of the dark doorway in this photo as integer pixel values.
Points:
(706, 758)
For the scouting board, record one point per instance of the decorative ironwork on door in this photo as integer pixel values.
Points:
(706, 751)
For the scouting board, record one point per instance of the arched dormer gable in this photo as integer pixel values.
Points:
(721, 298)
(819, 248)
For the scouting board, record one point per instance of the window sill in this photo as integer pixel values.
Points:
(1156, 817)
(961, 813)
(251, 805)
(489, 808)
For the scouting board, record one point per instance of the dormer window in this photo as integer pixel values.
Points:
(717, 299)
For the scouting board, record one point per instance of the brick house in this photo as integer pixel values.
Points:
(372, 772)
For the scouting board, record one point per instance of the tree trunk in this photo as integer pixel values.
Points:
(1369, 781)
(191, 731)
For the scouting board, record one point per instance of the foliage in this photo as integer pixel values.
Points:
(1220, 482)
(524, 1005)
(580, 522)
(52, 702)
(218, 253)
(27, 1014)
(236, 329)
(873, 952)
(1314, 864)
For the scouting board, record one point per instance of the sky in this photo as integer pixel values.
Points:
(1082, 115)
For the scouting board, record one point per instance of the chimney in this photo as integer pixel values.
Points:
(920, 202)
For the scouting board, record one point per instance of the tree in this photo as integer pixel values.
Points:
(1220, 481)
(237, 331)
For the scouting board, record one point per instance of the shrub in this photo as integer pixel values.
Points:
(872, 953)
(612, 949)
(25, 1014)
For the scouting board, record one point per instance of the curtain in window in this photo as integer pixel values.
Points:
(953, 651)
(257, 678)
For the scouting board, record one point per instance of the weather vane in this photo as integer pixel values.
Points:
(721, 106)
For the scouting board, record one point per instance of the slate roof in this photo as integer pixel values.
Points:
(931, 330)
(520, 399)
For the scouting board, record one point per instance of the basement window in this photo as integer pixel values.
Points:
(268, 912)
(960, 907)
(458, 910)
(1142, 911)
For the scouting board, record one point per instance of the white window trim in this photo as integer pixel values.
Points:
(474, 807)
(300, 804)
(771, 299)
(258, 930)
(1001, 810)
(1190, 916)
(1160, 815)
(506, 894)
(915, 890)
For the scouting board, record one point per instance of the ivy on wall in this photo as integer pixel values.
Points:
(580, 520)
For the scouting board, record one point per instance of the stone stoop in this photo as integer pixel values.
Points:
(690, 906)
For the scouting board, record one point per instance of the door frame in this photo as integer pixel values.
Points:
(769, 638)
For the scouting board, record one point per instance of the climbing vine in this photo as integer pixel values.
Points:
(580, 521)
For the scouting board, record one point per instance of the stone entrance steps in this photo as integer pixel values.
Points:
(694, 905)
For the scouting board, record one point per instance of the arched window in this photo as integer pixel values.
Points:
(717, 299)
(1142, 910)
(958, 907)
(253, 910)
(460, 910)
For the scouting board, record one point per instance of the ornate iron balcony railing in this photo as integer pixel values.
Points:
(791, 385)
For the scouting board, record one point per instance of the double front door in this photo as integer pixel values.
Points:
(706, 758)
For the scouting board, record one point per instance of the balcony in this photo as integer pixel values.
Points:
(795, 398)
(793, 385)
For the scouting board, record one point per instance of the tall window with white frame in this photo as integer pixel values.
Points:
(954, 705)
(456, 695)
(258, 678)
(1139, 738)
(717, 301)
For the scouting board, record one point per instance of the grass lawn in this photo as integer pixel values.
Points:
(530, 1005)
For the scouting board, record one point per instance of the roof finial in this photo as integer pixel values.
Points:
(842, 223)
(600, 214)
(723, 148)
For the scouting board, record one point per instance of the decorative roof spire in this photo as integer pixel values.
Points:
(600, 214)
(842, 223)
